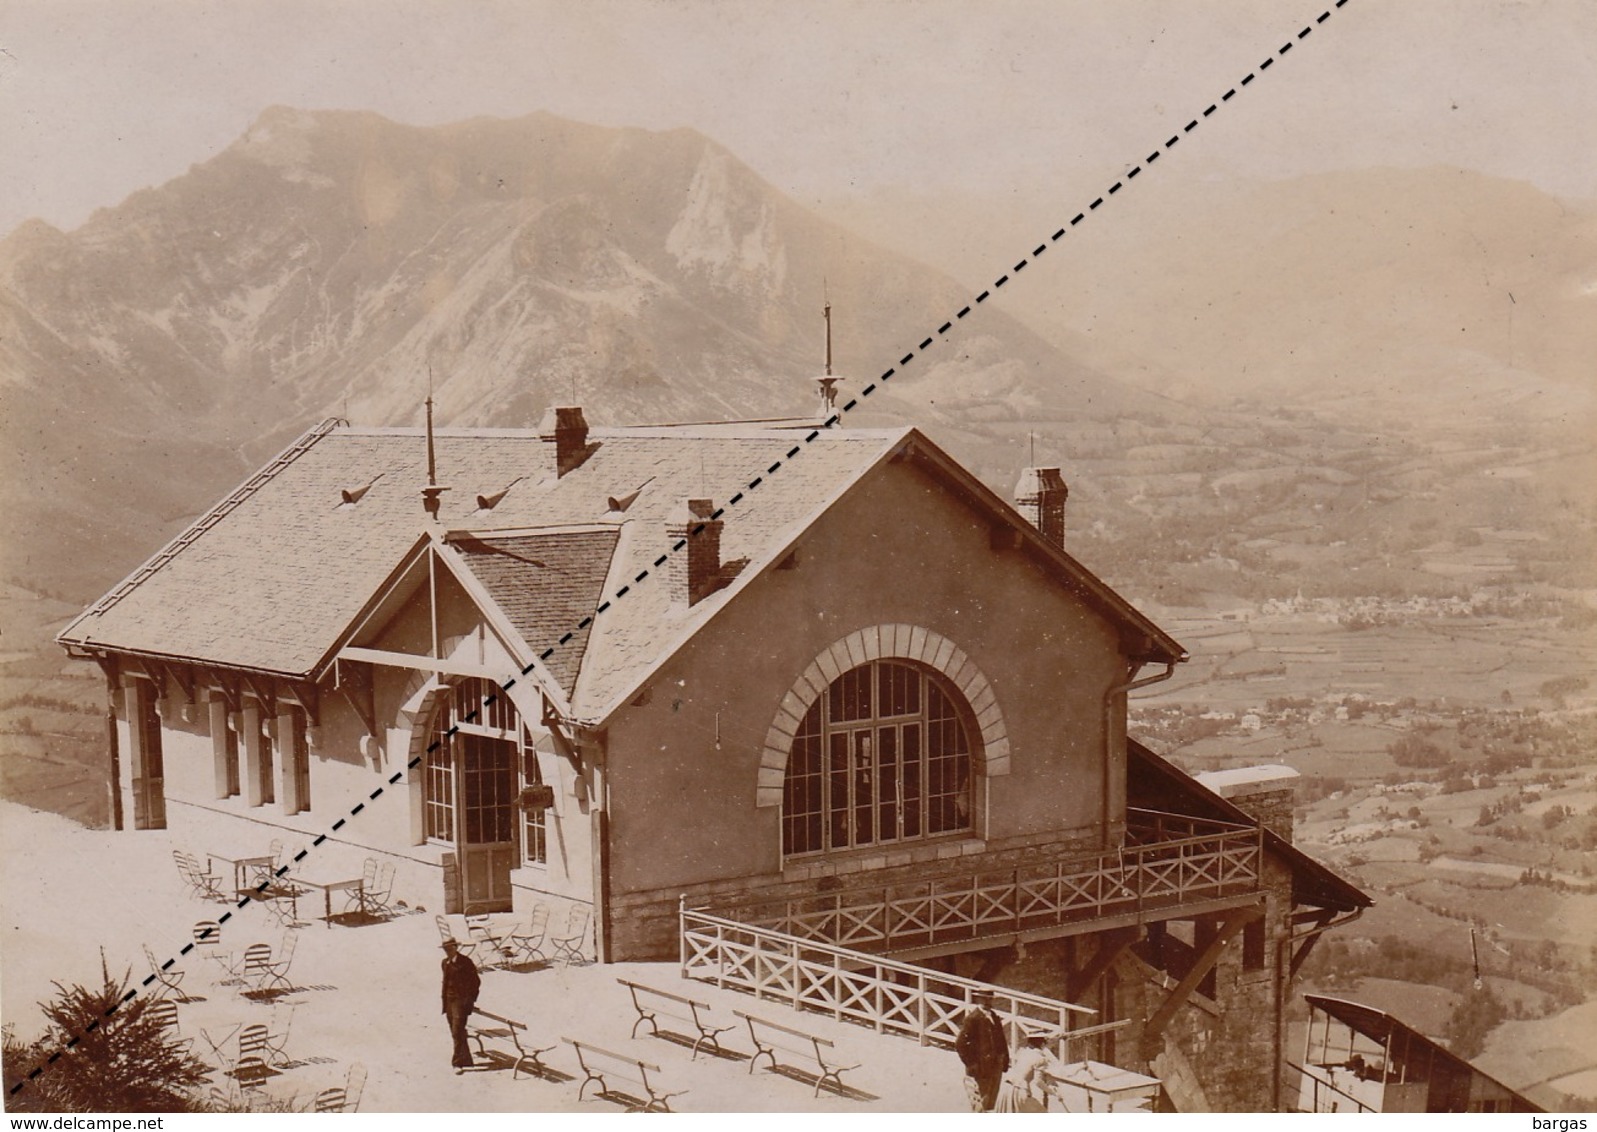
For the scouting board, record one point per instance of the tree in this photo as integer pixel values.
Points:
(1472, 1021)
(115, 1056)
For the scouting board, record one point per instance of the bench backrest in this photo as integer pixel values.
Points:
(664, 994)
(624, 1059)
(809, 1037)
(511, 1022)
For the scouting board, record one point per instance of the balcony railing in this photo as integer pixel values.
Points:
(1169, 861)
(888, 996)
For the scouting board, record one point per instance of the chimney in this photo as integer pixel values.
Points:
(566, 430)
(1040, 497)
(695, 569)
(1264, 793)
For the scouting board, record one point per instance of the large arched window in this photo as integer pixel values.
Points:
(884, 756)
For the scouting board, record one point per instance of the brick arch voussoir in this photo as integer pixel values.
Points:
(882, 642)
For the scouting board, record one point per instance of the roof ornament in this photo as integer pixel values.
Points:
(827, 383)
(489, 501)
(619, 503)
(355, 495)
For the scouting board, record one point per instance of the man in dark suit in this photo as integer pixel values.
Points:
(984, 1050)
(461, 984)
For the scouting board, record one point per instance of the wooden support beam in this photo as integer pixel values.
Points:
(1301, 953)
(1111, 945)
(225, 686)
(354, 683)
(307, 697)
(264, 691)
(1234, 922)
(147, 670)
(564, 746)
(183, 677)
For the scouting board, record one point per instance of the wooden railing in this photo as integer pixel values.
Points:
(1322, 1096)
(1169, 861)
(888, 996)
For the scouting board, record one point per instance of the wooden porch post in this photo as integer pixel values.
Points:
(249, 733)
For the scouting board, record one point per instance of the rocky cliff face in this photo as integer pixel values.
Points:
(326, 261)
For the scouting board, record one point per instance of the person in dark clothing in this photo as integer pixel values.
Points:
(984, 1050)
(461, 984)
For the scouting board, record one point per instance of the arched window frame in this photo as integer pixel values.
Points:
(887, 755)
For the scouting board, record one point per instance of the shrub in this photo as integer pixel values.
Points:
(122, 1059)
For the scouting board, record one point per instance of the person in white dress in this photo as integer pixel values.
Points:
(1027, 1082)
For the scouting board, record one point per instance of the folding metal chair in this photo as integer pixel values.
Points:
(526, 941)
(166, 974)
(447, 933)
(164, 1013)
(568, 948)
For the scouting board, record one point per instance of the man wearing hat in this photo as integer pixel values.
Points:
(984, 1050)
(461, 984)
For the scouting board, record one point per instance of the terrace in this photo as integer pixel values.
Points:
(1171, 866)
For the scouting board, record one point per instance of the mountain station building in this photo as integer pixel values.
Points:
(726, 684)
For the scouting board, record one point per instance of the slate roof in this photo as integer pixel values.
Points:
(273, 584)
(275, 577)
(546, 584)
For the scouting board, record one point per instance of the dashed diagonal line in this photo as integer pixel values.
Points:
(831, 421)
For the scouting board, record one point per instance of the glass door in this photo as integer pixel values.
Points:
(486, 821)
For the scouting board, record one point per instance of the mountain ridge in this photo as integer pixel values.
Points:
(324, 262)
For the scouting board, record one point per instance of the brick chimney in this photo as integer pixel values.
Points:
(695, 570)
(1040, 497)
(564, 430)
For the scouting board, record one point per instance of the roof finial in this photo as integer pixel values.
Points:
(826, 313)
(826, 384)
(431, 495)
(432, 464)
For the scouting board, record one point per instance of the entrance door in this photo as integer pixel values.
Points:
(485, 837)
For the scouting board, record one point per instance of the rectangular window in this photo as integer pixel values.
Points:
(801, 791)
(487, 779)
(230, 754)
(838, 781)
(149, 771)
(268, 769)
(224, 749)
(439, 808)
(1253, 946)
(535, 831)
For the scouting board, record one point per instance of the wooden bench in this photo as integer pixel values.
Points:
(794, 1041)
(500, 1028)
(597, 1063)
(649, 1012)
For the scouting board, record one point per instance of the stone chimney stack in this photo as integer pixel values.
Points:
(1040, 496)
(694, 571)
(564, 430)
(1264, 793)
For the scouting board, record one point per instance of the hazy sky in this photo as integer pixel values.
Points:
(100, 97)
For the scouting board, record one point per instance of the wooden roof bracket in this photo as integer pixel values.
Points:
(264, 691)
(354, 683)
(1303, 943)
(565, 747)
(306, 696)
